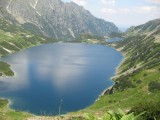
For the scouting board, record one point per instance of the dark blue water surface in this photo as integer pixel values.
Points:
(72, 75)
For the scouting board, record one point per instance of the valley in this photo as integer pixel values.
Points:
(29, 25)
(138, 84)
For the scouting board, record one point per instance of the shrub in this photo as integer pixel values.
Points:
(144, 75)
(153, 86)
(110, 115)
(124, 84)
(138, 81)
(152, 110)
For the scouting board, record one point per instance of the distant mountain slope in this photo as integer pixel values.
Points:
(151, 27)
(54, 18)
(142, 43)
(15, 38)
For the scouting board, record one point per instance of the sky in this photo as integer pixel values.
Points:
(123, 13)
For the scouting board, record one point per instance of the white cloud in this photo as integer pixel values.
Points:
(115, 10)
(147, 9)
(124, 10)
(80, 2)
(108, 10)
(109, 2)
(154, 1)
(138, 10)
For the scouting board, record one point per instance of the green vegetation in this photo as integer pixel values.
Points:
(152, 111)
(5, 69)
(88, 38)
(140, 49)
(8, 114)
(115, 34)
(120, 115)
(137, 80)
(138, 77)
(14, 38)
(154, 86)
(109, 115)
(129, 97)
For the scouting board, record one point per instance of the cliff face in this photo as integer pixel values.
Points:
(54, 18)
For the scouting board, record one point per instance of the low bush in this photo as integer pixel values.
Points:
(124, 84)
(152, 110)
(154, 86)
(110, 115)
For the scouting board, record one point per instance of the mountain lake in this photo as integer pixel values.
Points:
(59, 77)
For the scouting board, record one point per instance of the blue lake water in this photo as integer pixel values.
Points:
(62, 74)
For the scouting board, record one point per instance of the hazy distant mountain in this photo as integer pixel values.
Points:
(55, 18)
(123, 29)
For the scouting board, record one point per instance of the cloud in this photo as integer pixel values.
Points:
(138, 10)
(108, 10)
(146, 9)
(80, 2)
(115, 10)
(124, 10)
(154, 1)
(109, 2)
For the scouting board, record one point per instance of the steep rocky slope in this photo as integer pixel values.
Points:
(54, 18)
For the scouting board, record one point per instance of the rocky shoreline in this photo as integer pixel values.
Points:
(110, 90)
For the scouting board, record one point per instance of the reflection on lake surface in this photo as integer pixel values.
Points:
(75, 73)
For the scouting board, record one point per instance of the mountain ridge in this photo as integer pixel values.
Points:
(148, 27)
(54, 18)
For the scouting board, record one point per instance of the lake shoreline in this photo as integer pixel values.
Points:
(5, 76)
(116, 74)
(10, 102)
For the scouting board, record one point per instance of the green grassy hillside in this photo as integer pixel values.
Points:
(8, 114)
(14, 38)
(138, 78)
(5, 69)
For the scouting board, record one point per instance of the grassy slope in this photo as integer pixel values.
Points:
(5, 69)
(14, 38)
(8, 114)
(141, 68)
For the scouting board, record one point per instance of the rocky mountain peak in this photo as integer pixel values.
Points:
(54, 18)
